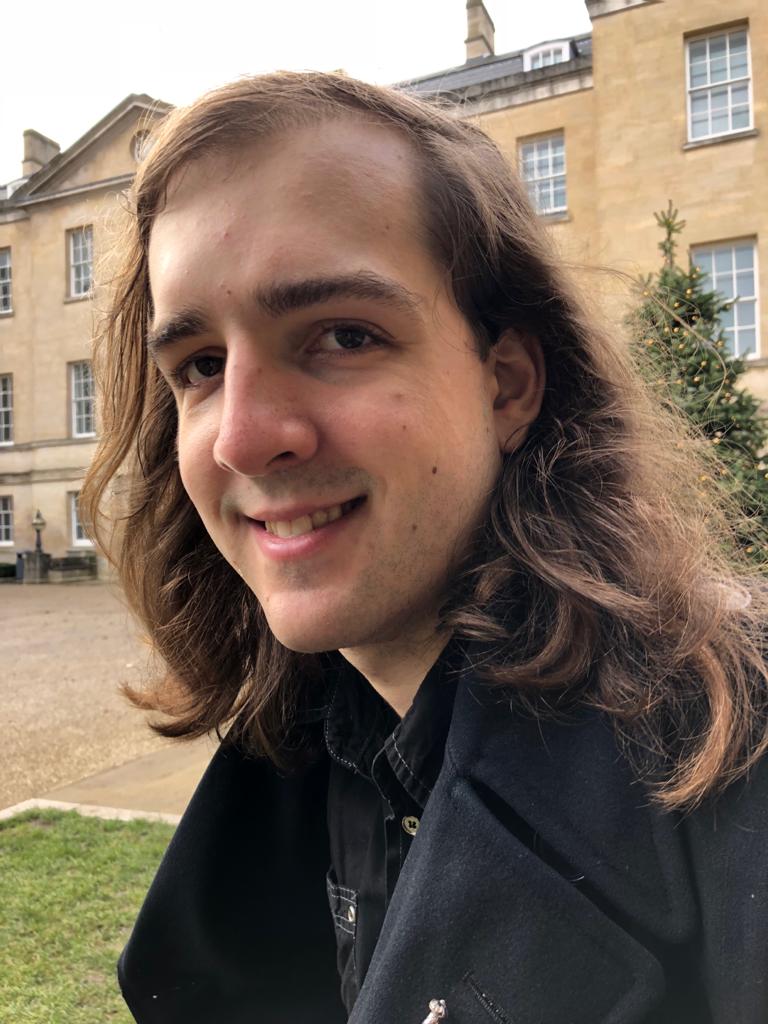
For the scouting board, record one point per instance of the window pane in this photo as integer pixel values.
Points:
(559, 197)
(718, 70)
(739, 66)
(747, 342)
(723, 261)
(719, 100)
(698, 50)
(740, 118)
(727, 318)
(745, 283)
(703, 260)
(745, 314)
(744, 257)
(699, 75)
(558, 163)
(739, 95)
(717, 47)
(699, 127)
(737, 42)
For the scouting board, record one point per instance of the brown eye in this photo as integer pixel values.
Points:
(202, 368)
(347, 338)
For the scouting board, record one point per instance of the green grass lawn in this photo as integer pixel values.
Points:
(70, 888)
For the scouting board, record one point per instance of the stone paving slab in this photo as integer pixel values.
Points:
(160, 782)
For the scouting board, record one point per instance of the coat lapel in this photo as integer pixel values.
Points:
(535, 887)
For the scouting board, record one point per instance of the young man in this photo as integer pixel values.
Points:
(401, 520)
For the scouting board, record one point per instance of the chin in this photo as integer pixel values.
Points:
(308, 638)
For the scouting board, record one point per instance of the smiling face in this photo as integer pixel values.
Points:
(337, 431)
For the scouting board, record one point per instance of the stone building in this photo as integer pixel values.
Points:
(54, 223)
(662, 99)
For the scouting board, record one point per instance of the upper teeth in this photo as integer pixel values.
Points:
(305, 524)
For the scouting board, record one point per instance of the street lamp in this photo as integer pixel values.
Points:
(38, 524)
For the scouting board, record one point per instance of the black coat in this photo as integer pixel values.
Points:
(541, 888)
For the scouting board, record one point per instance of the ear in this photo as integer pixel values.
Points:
(519, 379)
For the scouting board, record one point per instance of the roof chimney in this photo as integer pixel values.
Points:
(38, 151)
(480, 31)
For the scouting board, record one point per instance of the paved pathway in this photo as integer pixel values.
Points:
(66, 729)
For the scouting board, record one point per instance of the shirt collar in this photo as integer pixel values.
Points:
(359, 724)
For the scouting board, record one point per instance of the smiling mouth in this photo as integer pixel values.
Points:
(307, 524)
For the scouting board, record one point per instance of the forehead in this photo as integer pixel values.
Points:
(335, 200)
(346, 176)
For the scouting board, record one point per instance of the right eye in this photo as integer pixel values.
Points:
(197, 370)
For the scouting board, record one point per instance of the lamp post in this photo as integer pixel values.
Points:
(38, 524)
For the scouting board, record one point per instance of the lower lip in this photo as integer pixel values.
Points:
(307, 544)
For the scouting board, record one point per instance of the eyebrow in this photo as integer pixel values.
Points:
(280, 298)
(187, 323)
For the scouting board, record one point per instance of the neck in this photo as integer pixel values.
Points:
(396, 669)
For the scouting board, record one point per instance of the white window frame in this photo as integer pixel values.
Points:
(712, 284)
(78, 536)
(6, 409)
(709, 87)
(80, 257)
(82, 399)
(534, 59)
(531, 183)
(6, 521)
(6, 281)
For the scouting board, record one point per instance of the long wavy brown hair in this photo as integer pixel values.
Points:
(604, 572)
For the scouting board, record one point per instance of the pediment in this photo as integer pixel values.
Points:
(106, 152)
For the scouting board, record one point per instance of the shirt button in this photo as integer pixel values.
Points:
(410, 824)
(351, 915)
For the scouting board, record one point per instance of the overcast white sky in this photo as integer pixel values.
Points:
(65, 65)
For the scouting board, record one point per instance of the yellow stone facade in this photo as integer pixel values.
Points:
(48, 329)
(627, 146)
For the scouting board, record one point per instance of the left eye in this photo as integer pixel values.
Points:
(345, 338)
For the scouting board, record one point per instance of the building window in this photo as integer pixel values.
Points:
(6, 301)
(718, 85)
(79, 536)
(81, 390)
(545, 56)
(542, 168)
(80, 261)
(6, 519)
(6, 408)
(731, 270)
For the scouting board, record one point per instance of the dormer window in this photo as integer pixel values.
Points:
(543, 56)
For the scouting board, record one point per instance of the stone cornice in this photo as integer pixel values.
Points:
(120, 180)
(516, 90)
(599, 8)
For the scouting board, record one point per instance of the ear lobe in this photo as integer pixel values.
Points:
(520, 376)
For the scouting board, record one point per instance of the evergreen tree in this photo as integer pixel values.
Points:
(686, 354)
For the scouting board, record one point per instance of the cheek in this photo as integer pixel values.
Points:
(197, 468)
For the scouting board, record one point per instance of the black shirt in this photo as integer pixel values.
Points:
(382, 773)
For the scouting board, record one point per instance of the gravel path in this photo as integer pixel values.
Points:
(64, 650)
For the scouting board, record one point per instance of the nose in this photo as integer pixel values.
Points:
(265, 424)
